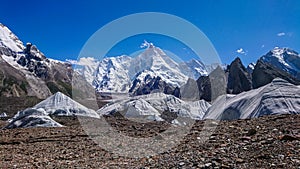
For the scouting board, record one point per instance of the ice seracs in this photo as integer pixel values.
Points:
(62, 105)
(56, 105)
(154, 106)
(277, 97)
(3, 115)
(32, 118)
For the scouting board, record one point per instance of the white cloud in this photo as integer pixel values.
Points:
(241, 51)
(281, 34)
(146, 44)
(262, 46)
(82, 61)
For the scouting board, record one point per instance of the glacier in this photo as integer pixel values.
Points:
(277, 97)
(55, 105)
(152, 107)
(32, 118)
(61, 105)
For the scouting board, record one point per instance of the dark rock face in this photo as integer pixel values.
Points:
(264, 73)
(32, 59)
(239, 80)
(152, 85)
(204, 87)
(7, 51)
(250, 68)
(190, 90)
(31, 52)
(218, 82)
(212, 86)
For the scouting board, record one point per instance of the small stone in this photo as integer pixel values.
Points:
(251, 132)
(296, 160)
(181, 163)
(225, 166)
(281, 156)
(212, 137)
(214, 163)
(208, 164)
(289, 138)
(223, 145)
(222, 151)
(245, 138)
(239, 160)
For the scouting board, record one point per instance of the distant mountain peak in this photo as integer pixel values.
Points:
(284, 59)
(282, 50)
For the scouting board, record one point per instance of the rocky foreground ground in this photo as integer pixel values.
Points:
(267, 142)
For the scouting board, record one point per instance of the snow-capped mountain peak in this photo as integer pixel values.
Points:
(125, 74)
(116, 74)
(284, 59)
(10, 40)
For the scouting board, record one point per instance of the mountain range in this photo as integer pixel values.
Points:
(152, 84)
(154, 71)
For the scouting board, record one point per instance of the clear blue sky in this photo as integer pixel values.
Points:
(60, 28)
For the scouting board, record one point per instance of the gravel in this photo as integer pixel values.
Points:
(266, 142)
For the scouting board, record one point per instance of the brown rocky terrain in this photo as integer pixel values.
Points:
(266, 142)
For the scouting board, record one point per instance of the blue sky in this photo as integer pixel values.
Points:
(61, 28)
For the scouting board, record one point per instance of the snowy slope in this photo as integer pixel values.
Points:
(32, 118)
(284, 59)
(194, 68)
(62, 105)
(154, 60)
(112, 74)
(152, 106)
(278, 97)
(10, 46)
(86, 67)
(8, 39)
